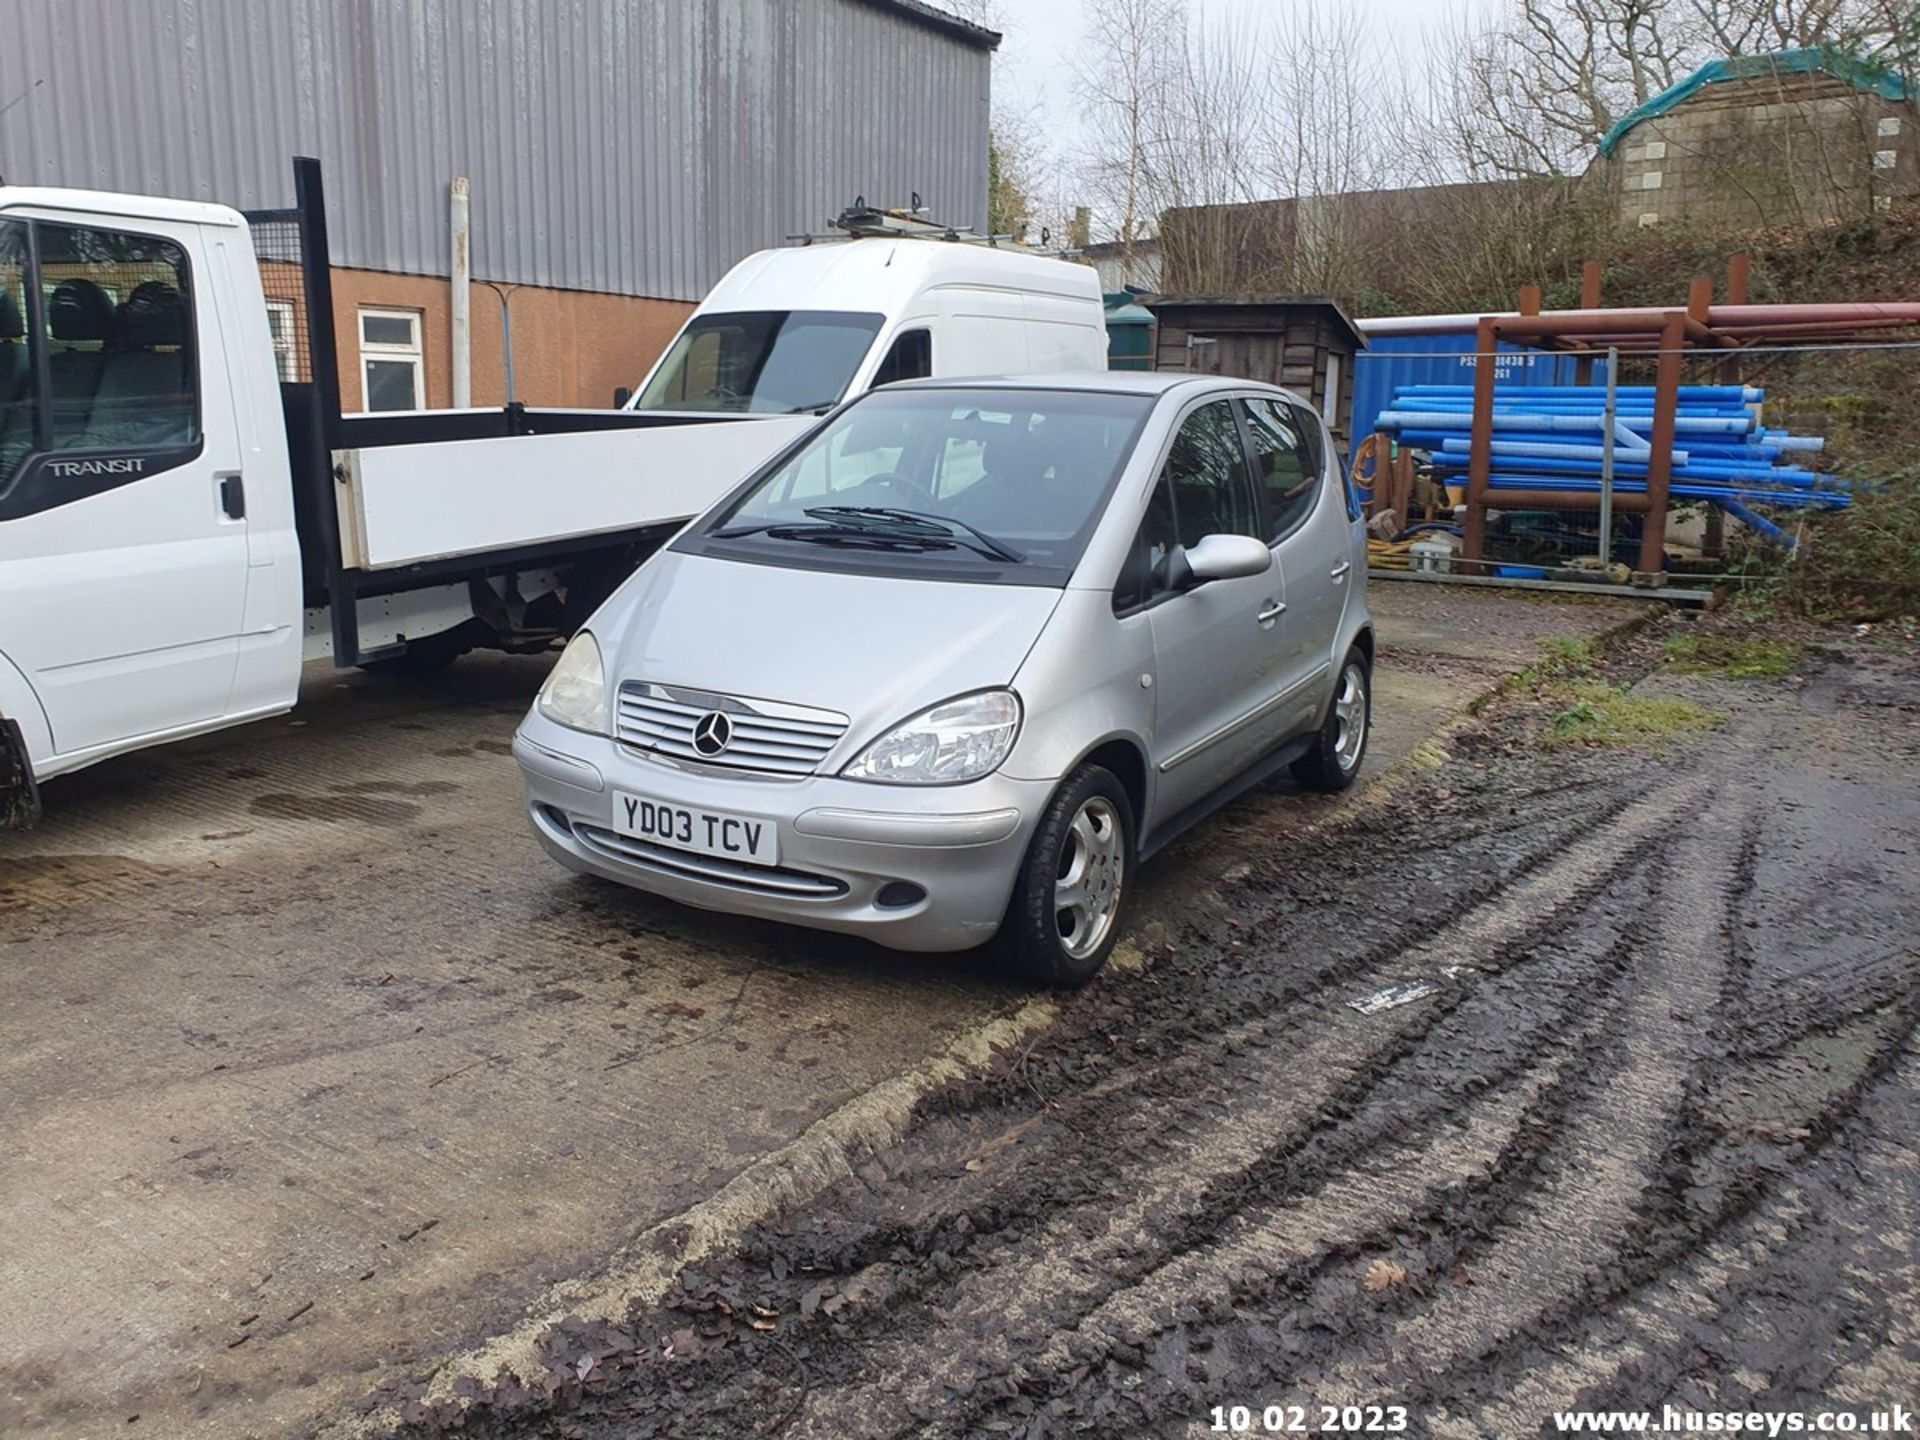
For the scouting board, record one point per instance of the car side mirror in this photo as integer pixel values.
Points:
(621, 395)
(1224, 557)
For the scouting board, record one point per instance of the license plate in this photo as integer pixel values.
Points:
(690, 827)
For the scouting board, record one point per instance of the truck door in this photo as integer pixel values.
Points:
(123, 544)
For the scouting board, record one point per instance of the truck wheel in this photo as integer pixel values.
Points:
(1064, 917)
(1334, 761)
(421, 659)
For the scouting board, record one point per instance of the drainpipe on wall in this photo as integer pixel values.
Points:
(462, 276)
(505, 292)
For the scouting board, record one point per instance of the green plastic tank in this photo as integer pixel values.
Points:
(1129, 333)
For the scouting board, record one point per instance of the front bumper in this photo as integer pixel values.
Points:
(912, 867)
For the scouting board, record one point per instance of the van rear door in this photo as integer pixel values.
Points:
(123, 537)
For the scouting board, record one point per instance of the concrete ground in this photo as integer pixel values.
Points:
(317, 1071)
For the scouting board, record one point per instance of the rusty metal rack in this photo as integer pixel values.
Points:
(1671, 337)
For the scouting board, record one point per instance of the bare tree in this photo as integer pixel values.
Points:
(1123, 83)
(1537, 87)
(1327, 136)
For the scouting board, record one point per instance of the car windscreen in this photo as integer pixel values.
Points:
(767, 361)
(976, 483)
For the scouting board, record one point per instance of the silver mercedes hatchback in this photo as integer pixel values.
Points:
(950, 666)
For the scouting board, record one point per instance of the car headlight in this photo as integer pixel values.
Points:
(575, 694)
(956, 740)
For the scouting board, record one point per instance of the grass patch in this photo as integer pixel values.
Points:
(1596, 713)
(1729, 657)
(1561, 656)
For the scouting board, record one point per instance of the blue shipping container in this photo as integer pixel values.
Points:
(1394, 360)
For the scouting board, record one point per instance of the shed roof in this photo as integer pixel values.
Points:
(1237, 311)
(1758, 67)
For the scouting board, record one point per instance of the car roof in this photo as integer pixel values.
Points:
(1109, 382)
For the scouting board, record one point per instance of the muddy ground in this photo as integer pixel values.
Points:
(1560, 1077)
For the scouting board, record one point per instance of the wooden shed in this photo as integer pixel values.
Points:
(1303, 342)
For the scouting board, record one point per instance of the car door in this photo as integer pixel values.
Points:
(1306, 522)
(1216, 644)
(123, 575)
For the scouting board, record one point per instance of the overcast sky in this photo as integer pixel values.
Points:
(1031, 71)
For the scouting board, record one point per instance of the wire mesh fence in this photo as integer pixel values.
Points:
(279, 246)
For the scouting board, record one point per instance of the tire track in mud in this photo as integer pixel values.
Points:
(1735, 1290)
(1613, 1145)
(1203, 1215)
(1484, 933)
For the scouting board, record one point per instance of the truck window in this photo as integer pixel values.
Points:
(779, 362)
(910, 357)
(16, 366)
(96, 354)
(119, 339)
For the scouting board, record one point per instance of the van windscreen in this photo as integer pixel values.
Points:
(780, 362)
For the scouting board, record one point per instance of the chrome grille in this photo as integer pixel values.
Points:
(767, 737)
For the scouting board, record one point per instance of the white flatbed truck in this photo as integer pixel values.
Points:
(187, 517)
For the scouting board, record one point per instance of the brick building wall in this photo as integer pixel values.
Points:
(1767, 150)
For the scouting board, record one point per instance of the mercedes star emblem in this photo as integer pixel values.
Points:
(712, 733)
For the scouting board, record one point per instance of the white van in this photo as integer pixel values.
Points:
(878, 308)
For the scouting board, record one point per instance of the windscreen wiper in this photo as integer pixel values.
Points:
(825, 533)
(918, 523)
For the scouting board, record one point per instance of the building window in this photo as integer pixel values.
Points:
(392, 373)
(280, 326)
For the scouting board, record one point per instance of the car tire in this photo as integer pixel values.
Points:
(1084, 847)
(1341, 743)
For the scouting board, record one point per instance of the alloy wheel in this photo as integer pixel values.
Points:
(1350, 717)
(1086, 894)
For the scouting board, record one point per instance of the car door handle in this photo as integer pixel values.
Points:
(1272, 612)
(1341, 569)
(233, 497)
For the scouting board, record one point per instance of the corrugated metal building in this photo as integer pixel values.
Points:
(621, 153)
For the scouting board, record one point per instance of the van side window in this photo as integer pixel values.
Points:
(1285, 463)
(16, 359)
(909, 358)
(119, 337)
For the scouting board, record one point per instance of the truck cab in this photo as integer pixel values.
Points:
(149, 570)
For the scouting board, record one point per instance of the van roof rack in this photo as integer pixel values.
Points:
(863, 221)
